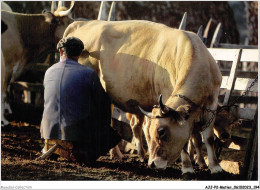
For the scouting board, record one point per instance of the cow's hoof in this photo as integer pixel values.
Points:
(141, 157)
(202, 165)
(188, 176)
(115, 154)
(216, 169)
(186, 170)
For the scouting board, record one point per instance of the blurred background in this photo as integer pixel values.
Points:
(239, 21)
(239, 18)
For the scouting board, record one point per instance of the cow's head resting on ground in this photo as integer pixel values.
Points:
(168, 133)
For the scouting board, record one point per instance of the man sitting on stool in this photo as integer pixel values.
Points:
(77, 112)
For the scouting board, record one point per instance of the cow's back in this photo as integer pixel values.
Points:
(11, 39)
(5, 6)
(140, 59)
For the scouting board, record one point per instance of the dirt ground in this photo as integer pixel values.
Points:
(21, 145)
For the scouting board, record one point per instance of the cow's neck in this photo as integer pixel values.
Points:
(35, 32)
(175, 101)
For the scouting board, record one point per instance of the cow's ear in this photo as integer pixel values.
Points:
(49, 17)
(184, 112)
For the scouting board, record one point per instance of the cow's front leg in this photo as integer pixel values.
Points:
(146, 125)
(197, 142)
(136, 125)
(191, 151)
(187, 167)
(208, 136)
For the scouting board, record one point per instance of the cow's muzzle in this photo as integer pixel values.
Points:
(158, 163)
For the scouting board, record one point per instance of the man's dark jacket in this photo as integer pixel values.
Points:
(76, 107)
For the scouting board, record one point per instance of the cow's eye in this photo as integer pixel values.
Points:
(162, 133)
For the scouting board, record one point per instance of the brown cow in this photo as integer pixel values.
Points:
(28, 36)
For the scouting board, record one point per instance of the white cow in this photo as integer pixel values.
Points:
(139, 60)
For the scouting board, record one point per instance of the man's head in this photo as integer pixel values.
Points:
(70, 47)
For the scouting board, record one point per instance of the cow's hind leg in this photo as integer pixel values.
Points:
(115, 152)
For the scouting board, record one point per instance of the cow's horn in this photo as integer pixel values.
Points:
(61, 4)
(67, 12)
(148, 114)
(163, 107)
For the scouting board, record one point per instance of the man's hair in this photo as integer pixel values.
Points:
(71, 46)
